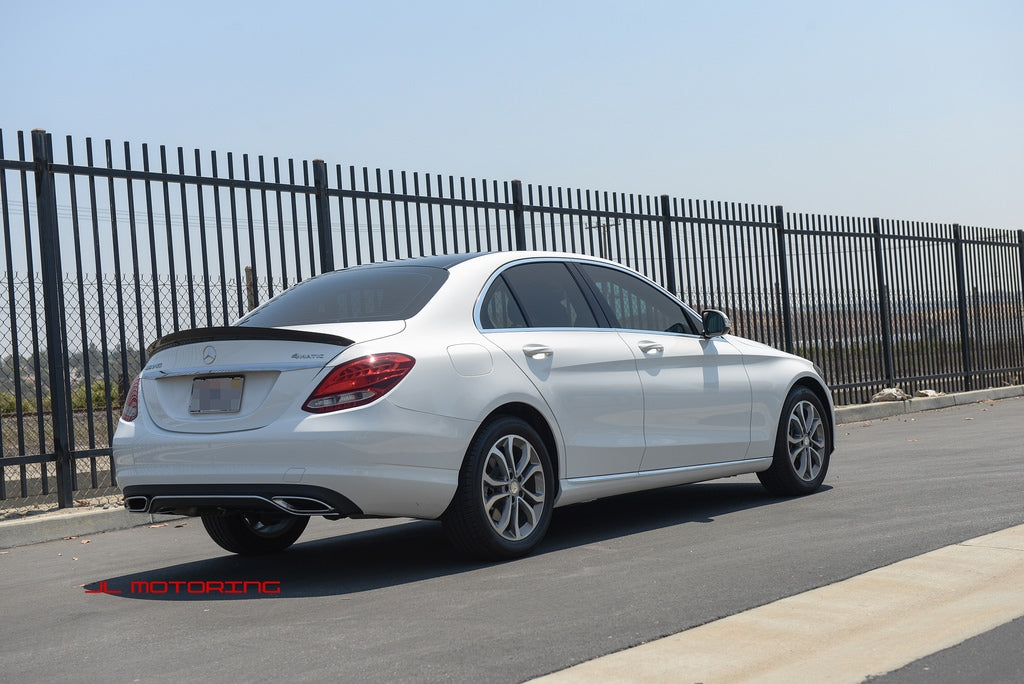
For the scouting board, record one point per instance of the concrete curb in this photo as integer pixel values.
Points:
(886, 409)
(44, 527)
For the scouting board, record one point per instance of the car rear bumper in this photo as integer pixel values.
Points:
(382, 460)
(195, 499)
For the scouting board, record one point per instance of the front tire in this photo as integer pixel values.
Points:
(253, 533)
(802, 447)
(503, 504)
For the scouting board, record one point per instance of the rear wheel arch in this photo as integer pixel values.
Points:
(538, 422)
(506, 491)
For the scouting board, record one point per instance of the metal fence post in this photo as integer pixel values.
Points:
(787, 312)
(54, 319)
(668, 251)
(1020, 258)
(323, 216)
(1020, 292)
(519, 213)
(961, 302)
(883, 304)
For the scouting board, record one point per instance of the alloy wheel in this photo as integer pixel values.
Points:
(513, 487)
(806, 440)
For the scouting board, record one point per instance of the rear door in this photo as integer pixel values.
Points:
(537, 313)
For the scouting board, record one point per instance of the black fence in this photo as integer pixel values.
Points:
(103, 257)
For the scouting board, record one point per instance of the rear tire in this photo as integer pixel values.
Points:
(253, 533)
(802, 447)
(503, 505)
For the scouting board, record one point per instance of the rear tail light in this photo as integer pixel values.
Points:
(359, 382)
(131, 403)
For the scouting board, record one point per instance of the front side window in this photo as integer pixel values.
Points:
(637, 305)
(549, 296)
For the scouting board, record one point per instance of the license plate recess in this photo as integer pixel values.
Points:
(220, 394)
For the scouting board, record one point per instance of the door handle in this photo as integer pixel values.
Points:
(538, 351)
(648, 347)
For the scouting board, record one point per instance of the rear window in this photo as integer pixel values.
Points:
(380, 293)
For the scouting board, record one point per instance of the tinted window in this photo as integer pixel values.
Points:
(637, 305)
(499, 309)
(549, 296)
(381, 293)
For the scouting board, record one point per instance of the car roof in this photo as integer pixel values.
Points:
(444, 261)
(447, 261)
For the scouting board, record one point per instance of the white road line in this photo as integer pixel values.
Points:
(867, 625)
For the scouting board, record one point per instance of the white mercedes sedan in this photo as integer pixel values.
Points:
(479, 389)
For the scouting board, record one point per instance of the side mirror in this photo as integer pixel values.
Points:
(716, 324)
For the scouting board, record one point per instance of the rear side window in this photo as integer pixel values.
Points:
(499, 309)
(549, 296)
(380, 293)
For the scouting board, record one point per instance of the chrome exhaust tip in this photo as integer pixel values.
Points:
(302, 505)
(137, 504)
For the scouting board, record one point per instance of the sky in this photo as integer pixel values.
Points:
(906, 110)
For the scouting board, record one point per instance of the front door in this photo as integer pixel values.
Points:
(696, 391)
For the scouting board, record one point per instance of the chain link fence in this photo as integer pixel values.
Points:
(105, 351)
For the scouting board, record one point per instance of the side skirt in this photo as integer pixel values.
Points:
(577, 490)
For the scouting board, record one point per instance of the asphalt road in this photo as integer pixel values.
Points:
(390, 601)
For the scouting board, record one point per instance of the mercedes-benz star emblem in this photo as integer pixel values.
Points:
(209, 354)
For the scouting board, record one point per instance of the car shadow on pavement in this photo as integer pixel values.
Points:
(418, 550)
(628, 514)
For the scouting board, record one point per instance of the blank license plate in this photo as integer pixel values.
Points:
(216, 395)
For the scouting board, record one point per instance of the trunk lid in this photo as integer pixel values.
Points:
(214, 380)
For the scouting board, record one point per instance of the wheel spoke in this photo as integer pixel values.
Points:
(493, 502)
(530, 472)
(526, 456)
(818, 440)
(508, 451)
(497, 458)
(491, 481)
(534, 498)
(815, 463)
(528, 507)
(807, 463)
(815, 426)
(796, 427)
(797, 459)
(527, 511)
(504, 512)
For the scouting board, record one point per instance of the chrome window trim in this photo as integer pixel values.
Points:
(578, 260)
